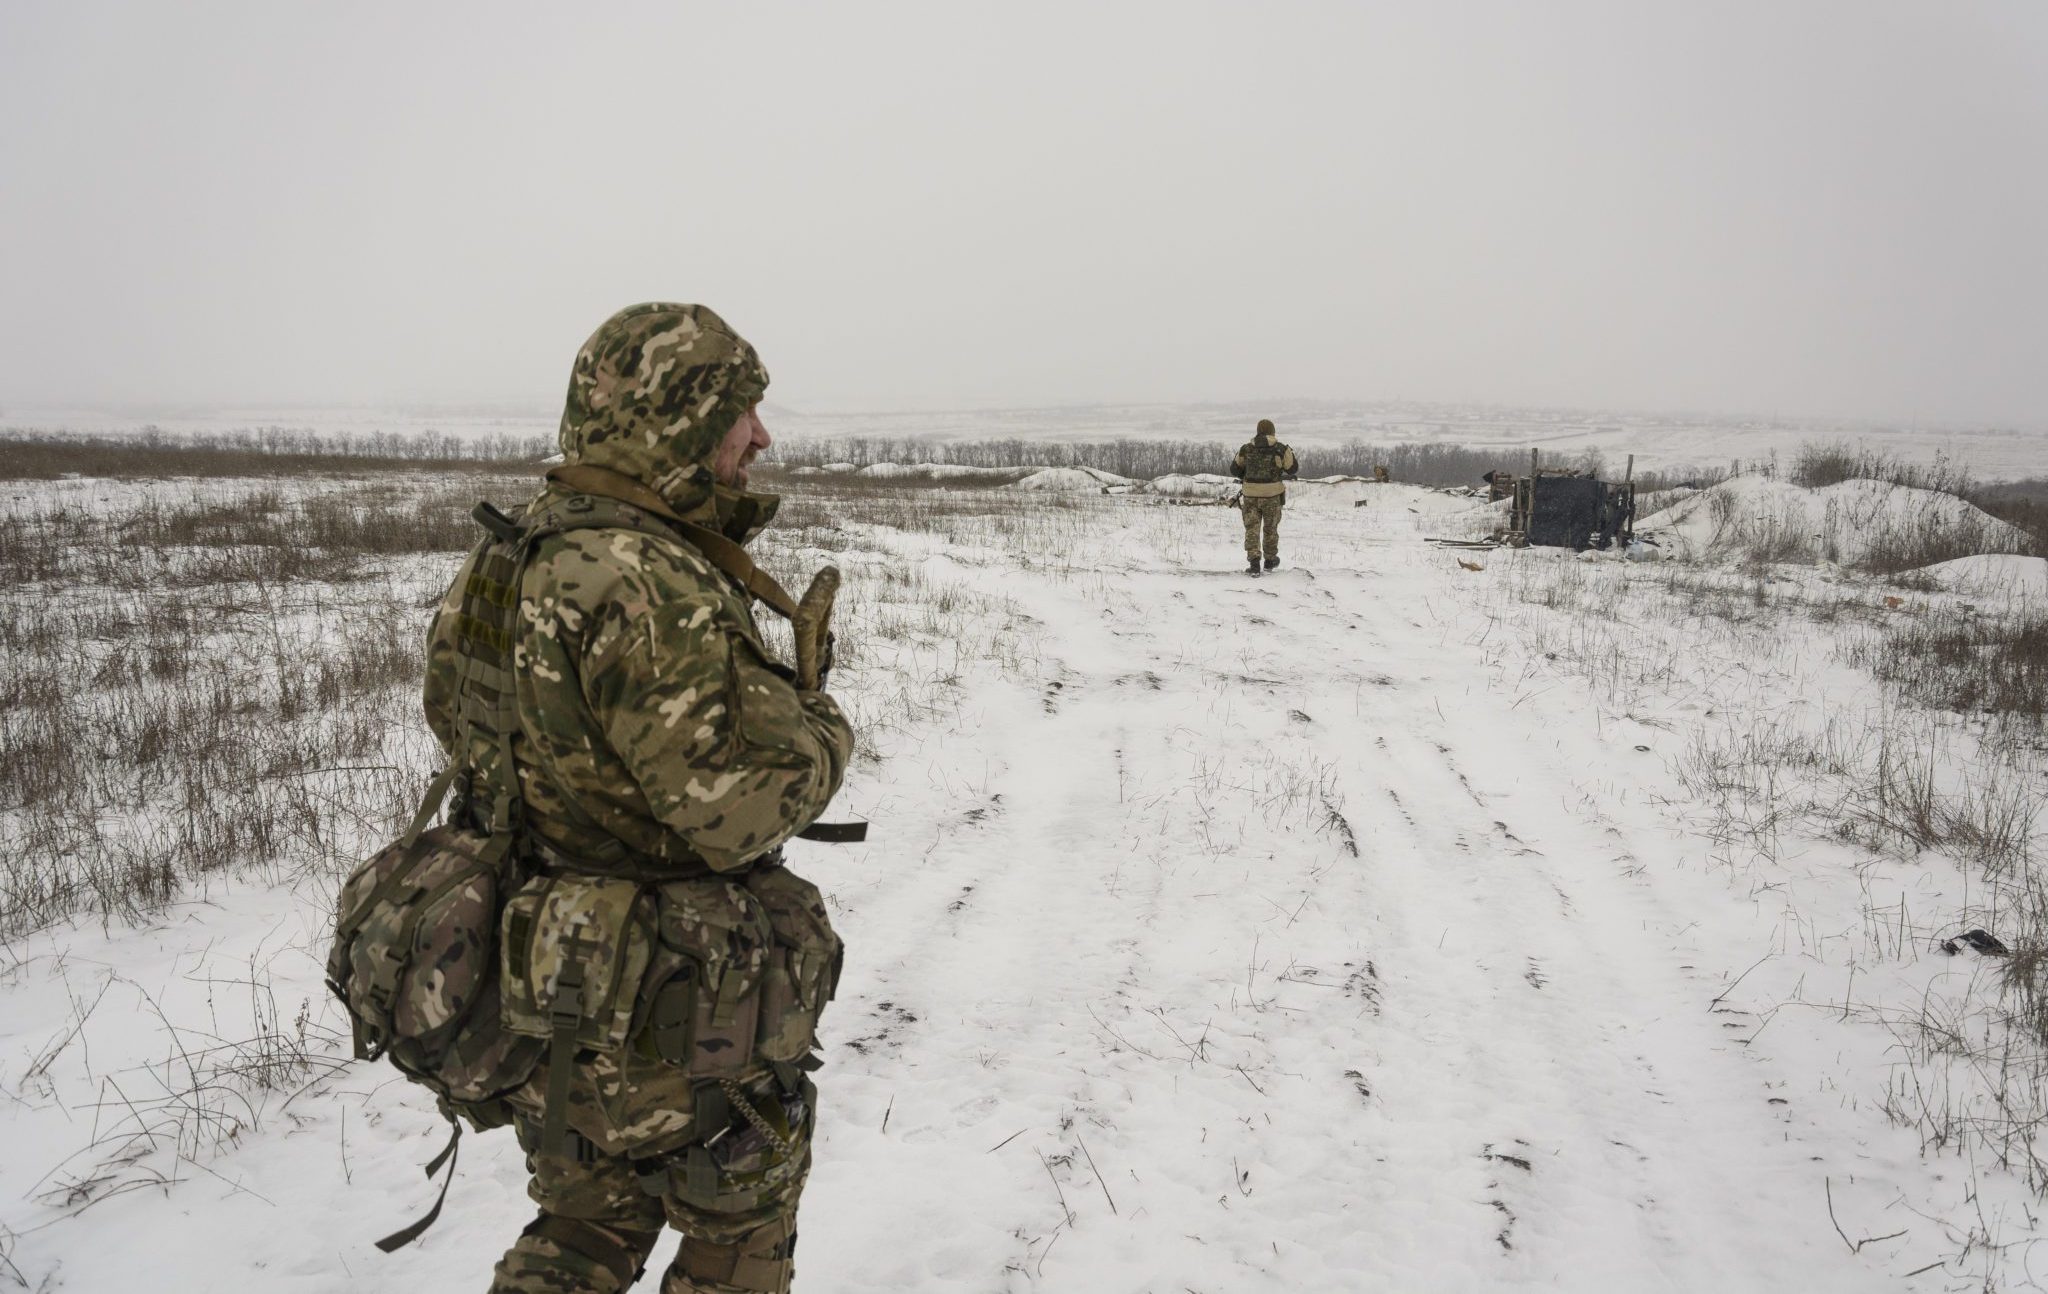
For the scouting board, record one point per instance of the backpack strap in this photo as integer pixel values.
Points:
(404, 1236)
(486, 692)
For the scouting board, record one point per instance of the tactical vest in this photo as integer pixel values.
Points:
(1262, 461)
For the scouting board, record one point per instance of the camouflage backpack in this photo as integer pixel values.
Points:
(1262, 459)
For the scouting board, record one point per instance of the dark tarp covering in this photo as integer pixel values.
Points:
(1567, 511)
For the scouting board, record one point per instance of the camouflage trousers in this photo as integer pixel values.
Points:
(601, 1214)
(1261, 514)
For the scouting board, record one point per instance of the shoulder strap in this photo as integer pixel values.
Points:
(486, 693)
(721, 552)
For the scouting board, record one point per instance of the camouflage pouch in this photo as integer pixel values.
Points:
(414, 962)
(701, 1009)
(803, 963)
(576, 946)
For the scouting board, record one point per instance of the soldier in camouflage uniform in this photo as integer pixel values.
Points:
(660, 740)
(1264, 465)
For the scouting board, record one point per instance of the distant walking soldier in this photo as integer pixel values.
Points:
(1264, 465)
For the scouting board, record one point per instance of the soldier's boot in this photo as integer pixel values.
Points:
(761, 1261)
(1272, 562)
(1252, 565)
(557, 1255)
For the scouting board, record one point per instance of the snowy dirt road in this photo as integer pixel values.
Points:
(1217, 933)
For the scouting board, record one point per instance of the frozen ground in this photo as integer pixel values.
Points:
(1383, 924)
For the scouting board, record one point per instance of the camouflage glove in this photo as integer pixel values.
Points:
(813, 626)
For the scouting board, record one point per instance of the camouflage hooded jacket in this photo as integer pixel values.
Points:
(650, 711)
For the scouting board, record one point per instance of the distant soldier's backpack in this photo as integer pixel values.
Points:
(1262, 459)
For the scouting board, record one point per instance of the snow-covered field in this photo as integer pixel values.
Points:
(1381, 924)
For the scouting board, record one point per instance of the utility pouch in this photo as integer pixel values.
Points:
(702, 1004)
(803, 967)
(577, 949)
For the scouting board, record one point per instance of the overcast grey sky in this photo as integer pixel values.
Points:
(1834, 209)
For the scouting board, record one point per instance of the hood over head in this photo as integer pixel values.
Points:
(653, 392)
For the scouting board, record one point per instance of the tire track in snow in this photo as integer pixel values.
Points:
(1292, 1068)
(1559, 1069)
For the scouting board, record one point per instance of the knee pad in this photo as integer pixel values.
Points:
(596, 1257)
(761, 1261)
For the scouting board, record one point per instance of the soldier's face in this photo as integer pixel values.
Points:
(736, 452)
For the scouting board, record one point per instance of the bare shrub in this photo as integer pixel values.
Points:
(2020, 503)
(1823, 463)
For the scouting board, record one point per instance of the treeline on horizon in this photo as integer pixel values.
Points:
(256, 451)
(1144, 460)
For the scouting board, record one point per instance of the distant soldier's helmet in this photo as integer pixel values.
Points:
(655, 389)
(1266, 427)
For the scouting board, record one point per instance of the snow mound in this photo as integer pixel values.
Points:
(933, 472)
(1201, 485)
(1994, 576)
(1750, 517)
(1084, 480)
(845, 469)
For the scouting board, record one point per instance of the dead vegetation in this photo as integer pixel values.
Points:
(1984, 665)
(202, 677)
